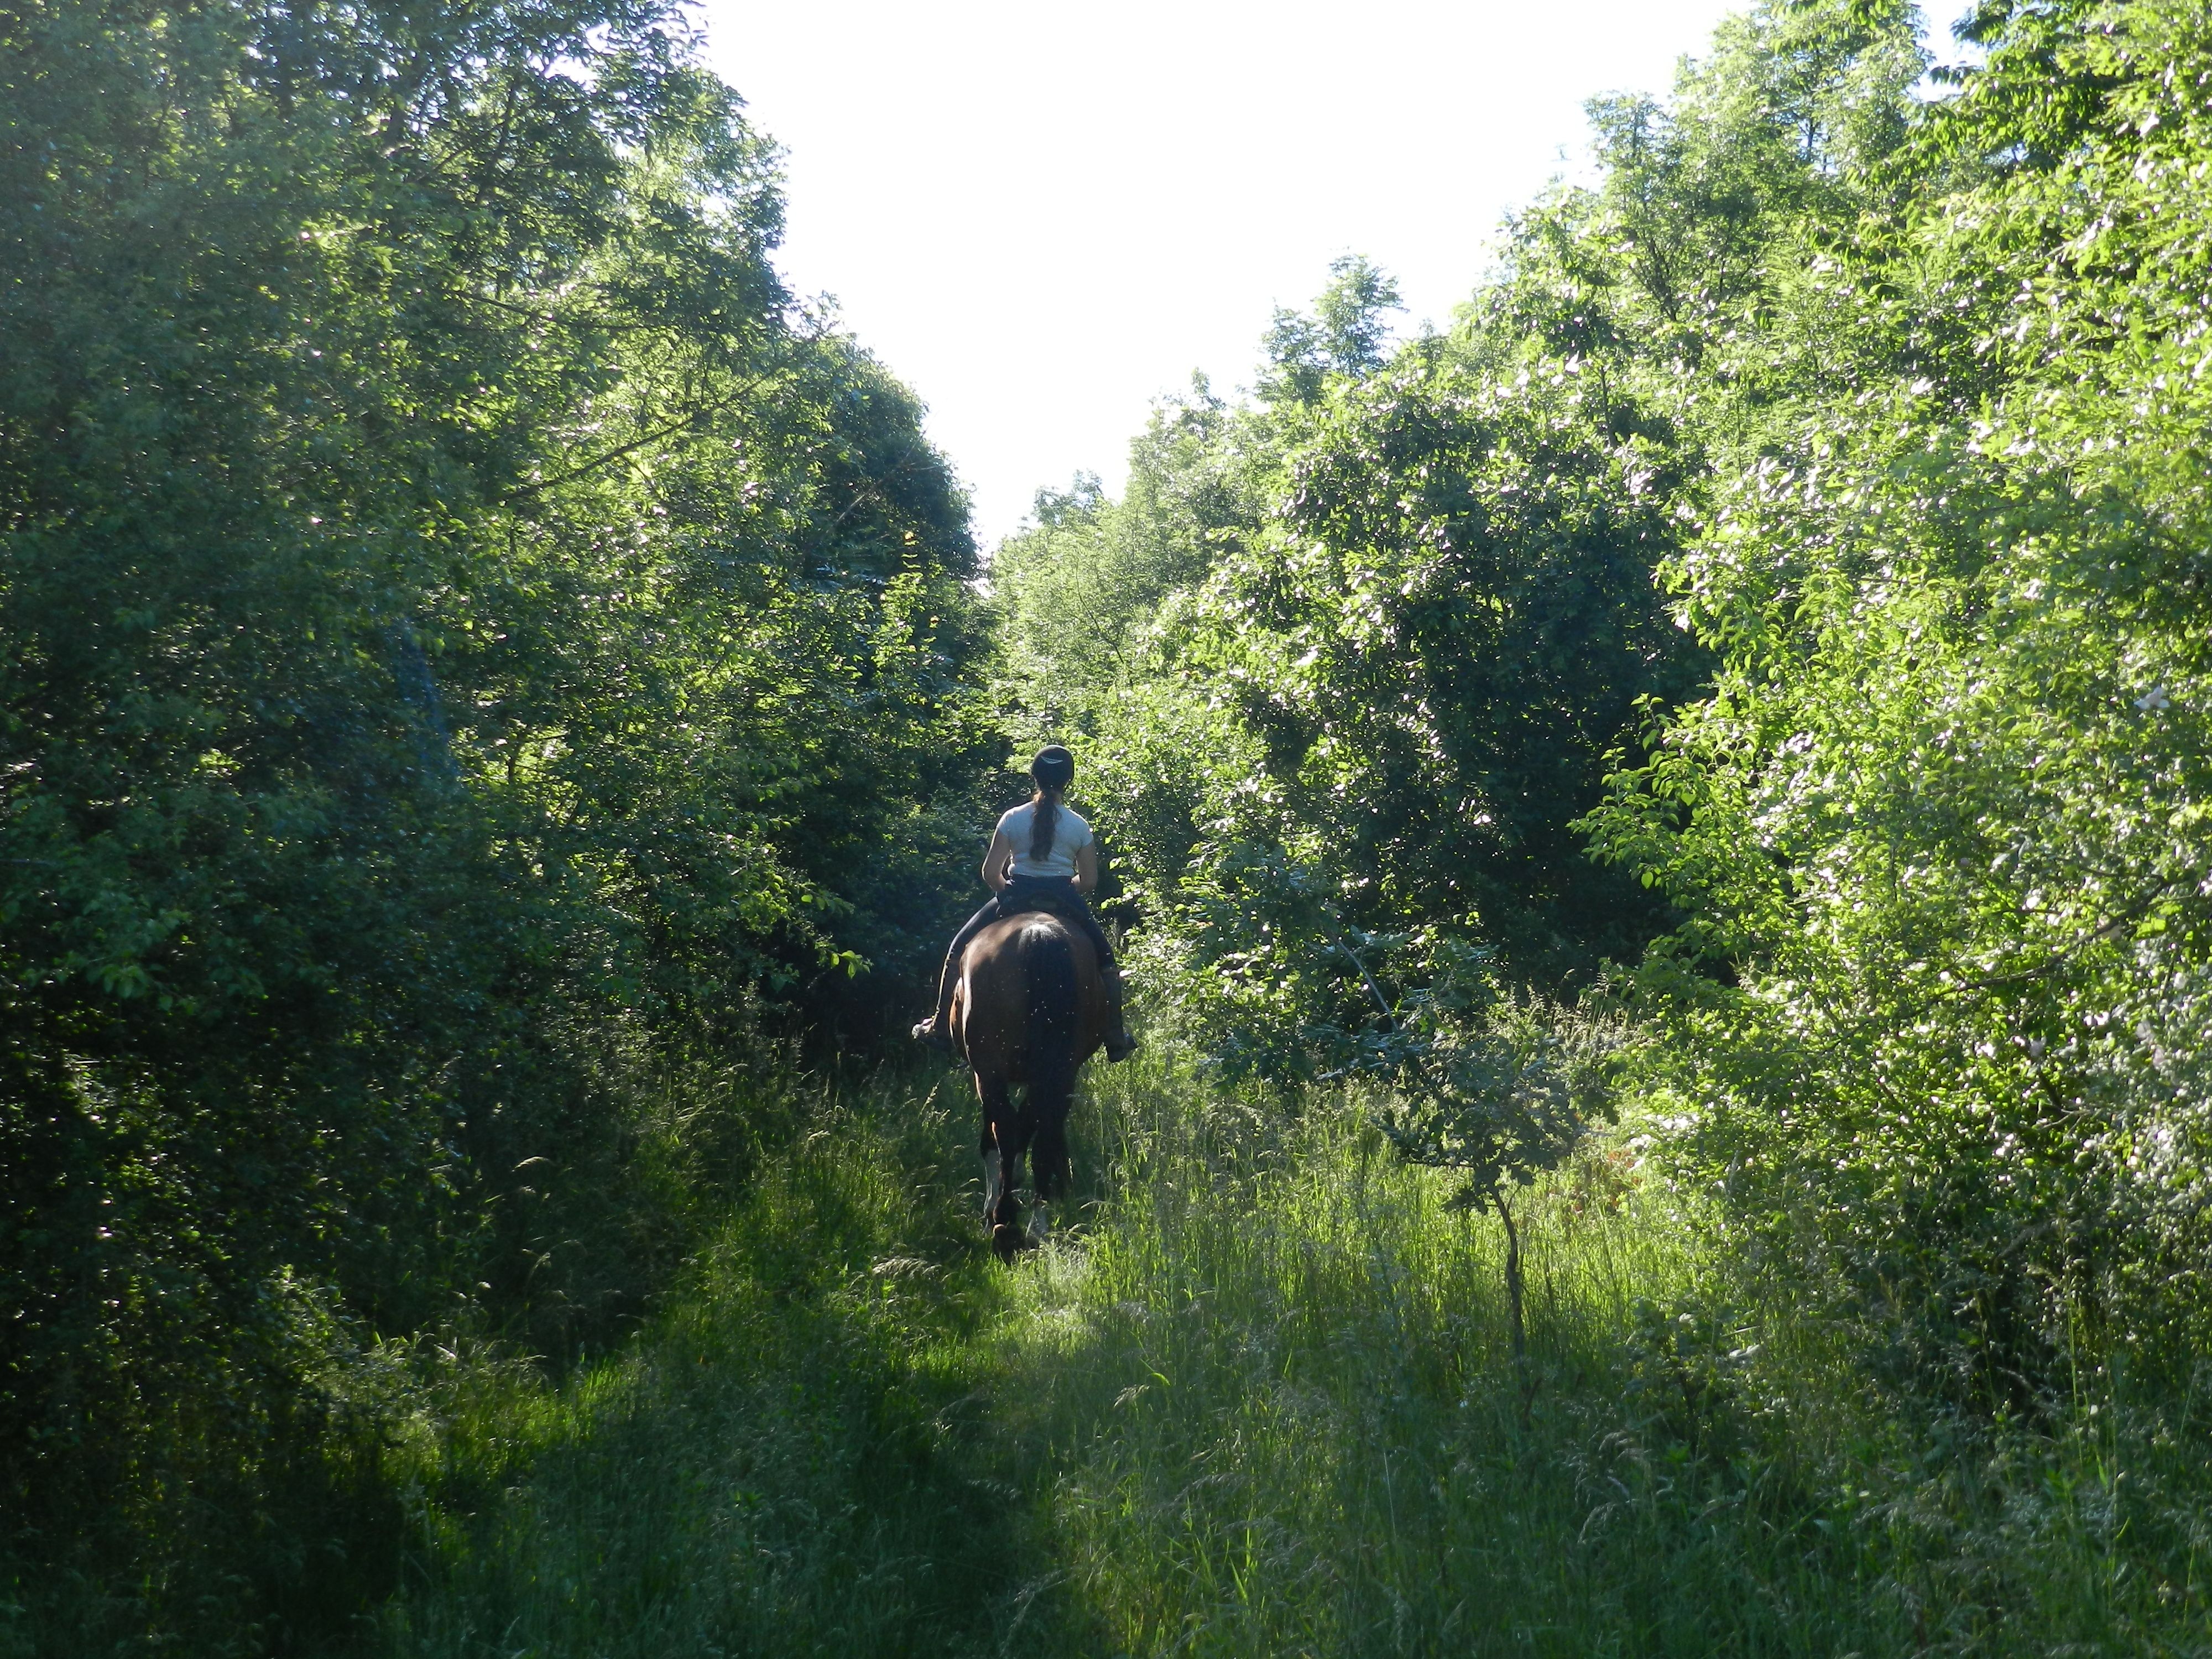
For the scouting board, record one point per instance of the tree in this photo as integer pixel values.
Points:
(452, 600)
(1345, 336)
(1939, 811)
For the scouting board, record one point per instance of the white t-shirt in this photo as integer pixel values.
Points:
(1070, 836)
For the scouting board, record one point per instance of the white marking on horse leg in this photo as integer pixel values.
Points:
(1040, 1221)
(990, 1180)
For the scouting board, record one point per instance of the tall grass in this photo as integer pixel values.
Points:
(1259, 1400)
(776, 1467)
(1282, 1374)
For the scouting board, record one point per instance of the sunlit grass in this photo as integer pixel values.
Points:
(1259, 1398)
(1291, 1421)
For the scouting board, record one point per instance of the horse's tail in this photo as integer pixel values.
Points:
(1048, 971)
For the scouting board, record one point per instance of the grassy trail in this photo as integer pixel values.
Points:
(1260, 1401)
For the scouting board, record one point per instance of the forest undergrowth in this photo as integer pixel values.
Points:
(1259, 1398)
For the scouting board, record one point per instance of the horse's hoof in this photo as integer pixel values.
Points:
(1005, 1243)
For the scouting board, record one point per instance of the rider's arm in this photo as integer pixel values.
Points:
(995, 861)
(1086, 866)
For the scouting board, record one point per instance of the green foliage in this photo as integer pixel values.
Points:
(1433, 646)
(489, 681)
(1346, 335)
(1902, 402)
(1415, 616)
(1942, 809)
(478, 658)
(1082, 588)
(1502, 1098)
(1354, 671)
(790, 1458)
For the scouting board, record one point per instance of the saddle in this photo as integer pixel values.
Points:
(1018, 898)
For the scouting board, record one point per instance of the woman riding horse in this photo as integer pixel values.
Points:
(1042, 857)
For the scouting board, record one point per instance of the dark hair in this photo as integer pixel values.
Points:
(1053, 768)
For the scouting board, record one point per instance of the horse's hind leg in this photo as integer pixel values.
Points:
(1007, 1236)
(994, 1182)
(1048, 1161)
(1009, 1139)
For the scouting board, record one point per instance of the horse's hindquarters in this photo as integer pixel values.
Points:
(1030, 1008)
(993, 1006)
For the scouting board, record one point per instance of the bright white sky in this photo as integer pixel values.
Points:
(1041, 215)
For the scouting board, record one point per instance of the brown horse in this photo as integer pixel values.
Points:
(1028, 1010)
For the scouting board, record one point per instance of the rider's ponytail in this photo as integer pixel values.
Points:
(1054, 769)
(1044, 824)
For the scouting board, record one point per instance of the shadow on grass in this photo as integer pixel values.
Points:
(794, 1459)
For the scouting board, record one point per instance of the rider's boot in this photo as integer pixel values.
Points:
(1119, 1045)
(937, 1029)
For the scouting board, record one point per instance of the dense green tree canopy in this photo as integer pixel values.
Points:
(473, 649)
(1361, 650)
(1941, 807)
(1831, 474)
